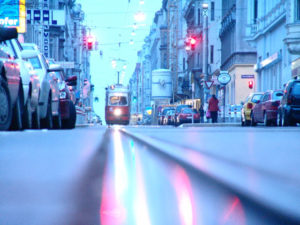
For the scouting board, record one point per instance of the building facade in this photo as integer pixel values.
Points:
(238, 57)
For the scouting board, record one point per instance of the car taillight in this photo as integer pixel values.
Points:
(249, 105)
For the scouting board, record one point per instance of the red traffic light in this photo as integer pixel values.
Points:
(193, 41)
(250, 84)
(90, 42)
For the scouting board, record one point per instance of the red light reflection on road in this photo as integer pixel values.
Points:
(112, 209)
(234, 213)
(184, 196)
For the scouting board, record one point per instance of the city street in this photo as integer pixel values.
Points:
(150, 175)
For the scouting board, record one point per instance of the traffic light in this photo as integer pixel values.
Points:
(190, 43)
(90, 42)
(250, 84)
(193, 43)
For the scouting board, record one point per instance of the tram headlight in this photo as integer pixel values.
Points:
(117, 112)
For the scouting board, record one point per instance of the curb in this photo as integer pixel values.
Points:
(211, 125)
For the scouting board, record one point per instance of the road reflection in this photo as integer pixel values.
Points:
(123, 195)
(185, 196)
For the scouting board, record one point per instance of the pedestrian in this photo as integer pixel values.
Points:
(201, 112)
(213, 108)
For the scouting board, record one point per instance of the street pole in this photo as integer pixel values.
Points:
(205, 47)
(193, 93)
(118, 77)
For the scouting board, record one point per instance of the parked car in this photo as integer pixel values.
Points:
(265, 110)
(11, 95)
(178, 111)
(163, 114)
(67, 111)
(168, 117)
(289, 108)
(186, 115)
(30, 88)
(248, 105)
(49, 92)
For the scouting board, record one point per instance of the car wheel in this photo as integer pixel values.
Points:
(47, 122)
(27, 115)
(16, 123)
(253, 122)
(278, 121)
(285, 120)
(36, 119)
(266, 121)
(5, 107)
(71, 121)
(57, 123)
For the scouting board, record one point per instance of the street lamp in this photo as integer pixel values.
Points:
(139, 16)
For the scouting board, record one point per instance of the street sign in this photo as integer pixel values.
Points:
(224, 77)
(209, 84)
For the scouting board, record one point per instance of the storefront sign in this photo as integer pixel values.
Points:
(53, 17)
(224, 77)
(13, 14)
(247, 76)
(46, 39)
(269, 60)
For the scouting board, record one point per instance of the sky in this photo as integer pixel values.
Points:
(111, 22)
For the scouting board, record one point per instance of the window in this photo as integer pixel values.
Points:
(118, 100)
(211, 54)
(266, 97)
(255, 11)
(212, 11)
(199, 17)
(35, 62)
(297, 10)
(255, 98)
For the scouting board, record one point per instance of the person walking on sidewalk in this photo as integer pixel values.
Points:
(213, 108)
(201, 112)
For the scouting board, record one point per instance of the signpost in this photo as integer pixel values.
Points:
(209, 84)
(224, 78)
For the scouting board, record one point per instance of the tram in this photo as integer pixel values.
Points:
(117, 105)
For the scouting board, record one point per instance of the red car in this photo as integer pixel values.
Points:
(11, 94)
(185, 116)
(67, 116)
(265, 111)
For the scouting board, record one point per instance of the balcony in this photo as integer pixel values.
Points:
(267, 22)
(292, 39)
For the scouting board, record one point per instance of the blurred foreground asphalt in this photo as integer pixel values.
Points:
(150, 175)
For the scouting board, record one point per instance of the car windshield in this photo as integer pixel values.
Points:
(35, 62)
(296, 88)
(256, 97)
(165, 111)
(118, 100)
(187, 110)
(26, 47)
(277, 95)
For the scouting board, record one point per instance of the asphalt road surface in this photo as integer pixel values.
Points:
(150, 175)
